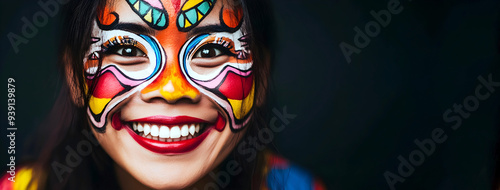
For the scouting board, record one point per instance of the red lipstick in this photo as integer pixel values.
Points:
(161, 147)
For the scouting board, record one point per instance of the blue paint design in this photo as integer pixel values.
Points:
(192, 16)
(180, 20)
(190, 47)
(204, 7)
(157, 53)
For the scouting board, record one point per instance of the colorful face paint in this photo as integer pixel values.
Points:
(227, 79)
(117, 80)
(231, 83)
(193, 12)
(151, 11)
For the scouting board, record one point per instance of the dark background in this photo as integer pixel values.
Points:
(353, 119)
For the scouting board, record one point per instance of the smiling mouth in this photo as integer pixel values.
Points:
(168, 135)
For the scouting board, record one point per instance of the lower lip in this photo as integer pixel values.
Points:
(160, 147)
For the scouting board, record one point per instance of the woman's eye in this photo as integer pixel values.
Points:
(129, 51)
(209, 51)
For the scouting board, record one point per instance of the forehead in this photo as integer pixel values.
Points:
(183, 15)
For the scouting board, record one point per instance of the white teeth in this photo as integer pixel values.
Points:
(175, 132)
(167, 134)
(185, 130)
(192, 129)
(147, 129)
(140, 128)
(164, 132)
(154, 131)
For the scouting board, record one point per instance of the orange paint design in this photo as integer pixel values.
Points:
(232, 18)
(171, 83)
(106, 17)
(91, 63)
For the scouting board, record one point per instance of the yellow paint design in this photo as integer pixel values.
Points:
(242, 107)
(174, 91)
(190, 4)
(97, 104)
(199, 15)
(23, 178)
(148, 16)
(186, 23)
(136, 6)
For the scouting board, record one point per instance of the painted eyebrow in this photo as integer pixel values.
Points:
(134, 28)
(208, 29)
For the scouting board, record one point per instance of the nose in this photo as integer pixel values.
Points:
(171, 86)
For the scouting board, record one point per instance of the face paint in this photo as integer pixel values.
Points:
(229, 82)
(151, 11)
(117, 80)
(193, 12)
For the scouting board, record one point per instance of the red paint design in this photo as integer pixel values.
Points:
(115, 121)
(176, 4)
(236, 87)
(220, 123)
(107, 86)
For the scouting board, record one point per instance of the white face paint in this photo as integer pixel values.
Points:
(228, 80)
(120, 76)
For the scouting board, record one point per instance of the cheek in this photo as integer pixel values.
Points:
(114, 83)
(108, 88)
(239, 91)
(233, 90)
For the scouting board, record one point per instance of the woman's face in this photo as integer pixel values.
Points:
(175, 88)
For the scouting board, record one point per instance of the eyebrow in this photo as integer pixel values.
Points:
(208, 29)
(135, 28)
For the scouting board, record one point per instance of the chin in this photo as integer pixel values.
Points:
(167, 163)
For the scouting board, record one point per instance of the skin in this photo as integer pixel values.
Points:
(170, 94)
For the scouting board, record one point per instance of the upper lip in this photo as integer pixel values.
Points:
(169, 120)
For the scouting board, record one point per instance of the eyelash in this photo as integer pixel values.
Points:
(220, 43)
(121, 42)
(224, 50)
